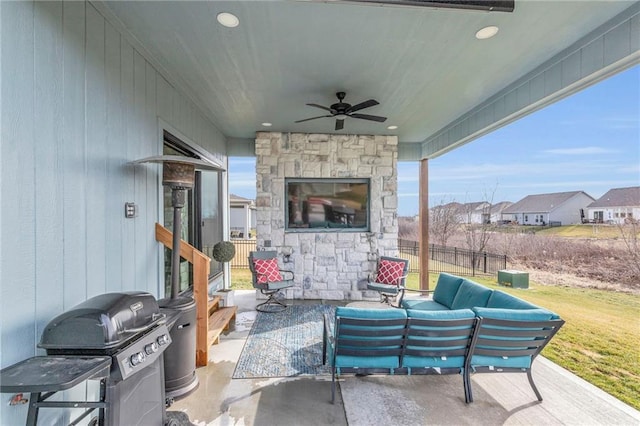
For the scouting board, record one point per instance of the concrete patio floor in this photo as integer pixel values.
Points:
(385, 400)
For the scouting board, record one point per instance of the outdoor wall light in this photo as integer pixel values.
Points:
(178, 173)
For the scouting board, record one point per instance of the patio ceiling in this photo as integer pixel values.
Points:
(424, 65)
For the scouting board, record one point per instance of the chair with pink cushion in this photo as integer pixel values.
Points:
(389, 278)
(269, 279)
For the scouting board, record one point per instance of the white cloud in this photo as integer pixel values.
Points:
(587, 150)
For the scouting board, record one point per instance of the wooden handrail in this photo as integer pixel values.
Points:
(201, 265)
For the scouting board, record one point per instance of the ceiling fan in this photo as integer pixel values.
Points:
(342, 110)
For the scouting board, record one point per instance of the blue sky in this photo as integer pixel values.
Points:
(588, 142)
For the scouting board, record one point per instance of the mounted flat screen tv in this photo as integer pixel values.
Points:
(327, 204)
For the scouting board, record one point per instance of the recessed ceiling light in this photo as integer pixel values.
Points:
(392, 127)
(265, 124)
(228, 20)
(487, 32)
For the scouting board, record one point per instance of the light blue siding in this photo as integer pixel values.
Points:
(78, 104)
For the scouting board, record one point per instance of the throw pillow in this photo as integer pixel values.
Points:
(389, 272)
(267, 270)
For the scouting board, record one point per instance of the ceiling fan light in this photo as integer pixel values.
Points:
(265, 124)
(228, 20)
(393, 127)
(487, 32)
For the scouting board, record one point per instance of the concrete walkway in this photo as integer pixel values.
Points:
(384, 400)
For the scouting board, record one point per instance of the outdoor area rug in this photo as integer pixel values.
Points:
(285, 344)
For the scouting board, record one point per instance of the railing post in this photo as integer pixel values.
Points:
(201, 296)
(473, 263)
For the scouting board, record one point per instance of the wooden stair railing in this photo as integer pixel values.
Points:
(211, 320)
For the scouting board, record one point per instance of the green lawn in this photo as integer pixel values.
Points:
(599, 341)
(581, 231)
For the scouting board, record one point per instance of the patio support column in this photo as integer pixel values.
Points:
(424, 224)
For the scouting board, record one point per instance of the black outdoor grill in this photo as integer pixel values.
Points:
(129, 328)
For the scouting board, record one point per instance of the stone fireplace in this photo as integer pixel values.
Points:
(332, 263)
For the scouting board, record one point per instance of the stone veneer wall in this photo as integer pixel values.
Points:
(327, 264)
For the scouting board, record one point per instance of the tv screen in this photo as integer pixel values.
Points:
(327, 204)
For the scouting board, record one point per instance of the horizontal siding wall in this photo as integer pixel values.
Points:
(78, 103)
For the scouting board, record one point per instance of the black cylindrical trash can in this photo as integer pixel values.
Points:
(180, 357)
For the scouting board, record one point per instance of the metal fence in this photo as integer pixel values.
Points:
(243, 247)
(441, 258)
(453, 259)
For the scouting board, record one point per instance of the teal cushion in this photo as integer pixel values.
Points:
(360, 313)
(538, 314)
(435, 361)
(345, 311)
(471, 295)
(432, 361)
(446, 315)
(498, 361)
(500, 299)
(513, 315)
(422, 304)
(370, 361)
(367, 361)
(385, 288)
(446, 289)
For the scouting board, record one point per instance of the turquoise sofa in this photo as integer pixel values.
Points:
(465, 328)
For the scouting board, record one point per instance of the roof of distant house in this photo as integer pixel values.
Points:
(619, 197)
(237, 200)
(542, 202)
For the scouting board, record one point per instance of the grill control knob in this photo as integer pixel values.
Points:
(151, 348)
(162, 339)
(137, 358)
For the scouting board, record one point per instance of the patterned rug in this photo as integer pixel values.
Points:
(285, 344)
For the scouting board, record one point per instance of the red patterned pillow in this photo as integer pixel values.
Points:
(267, 270)
(389, 272)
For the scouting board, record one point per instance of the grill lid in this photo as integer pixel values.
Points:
(102, 322)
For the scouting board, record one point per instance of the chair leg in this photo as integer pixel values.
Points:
(533, 385)
(271, 305)
(465, 384)
(333, 385)
(468, 391)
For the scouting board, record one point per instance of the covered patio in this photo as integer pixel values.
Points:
(407, 400)
(90, 87)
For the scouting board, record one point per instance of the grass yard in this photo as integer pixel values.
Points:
(599, 341)
(582, 231)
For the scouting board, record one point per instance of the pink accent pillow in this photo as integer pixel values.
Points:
(267, 270)
(389, 272)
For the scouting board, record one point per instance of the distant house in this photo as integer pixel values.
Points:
(618, 205)
(562, 208)
(497, 209)
(242, 217)
(477, 212)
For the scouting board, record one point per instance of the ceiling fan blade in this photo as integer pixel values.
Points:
(322, 107)
(339, 124)
(369, 117)
(363, 105)
(313, 118)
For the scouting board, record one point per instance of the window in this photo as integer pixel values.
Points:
(201, 215)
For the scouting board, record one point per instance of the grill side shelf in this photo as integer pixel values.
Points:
(52, 373)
